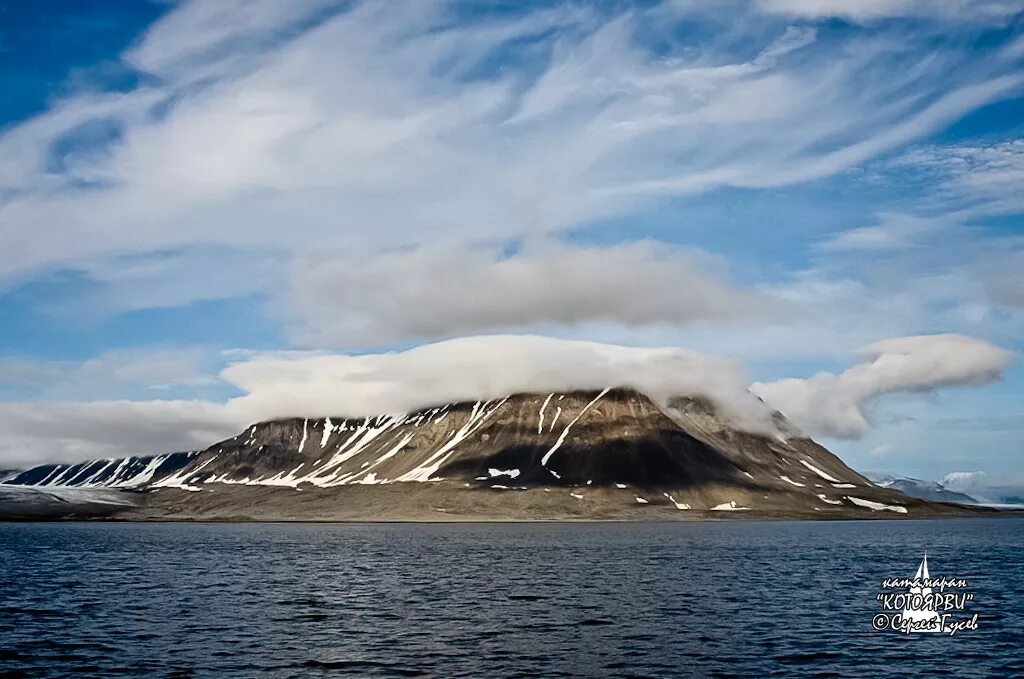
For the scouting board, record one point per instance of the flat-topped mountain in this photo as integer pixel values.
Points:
(608, 454)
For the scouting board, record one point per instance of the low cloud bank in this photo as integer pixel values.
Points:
(47, 432)
(441, 291)
(304, 384)
(833, 405)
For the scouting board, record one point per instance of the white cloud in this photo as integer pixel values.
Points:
(95, 289)
(894, 231)
(435, 292)
(967, 180)
(111, 374)
(298, 128)
(873, 10)
(206, 38)
(952, 273)
(833, 405)
(152, 367)
(38, 433)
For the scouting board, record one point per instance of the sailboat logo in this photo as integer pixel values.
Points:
(924, 604)
(924, 619)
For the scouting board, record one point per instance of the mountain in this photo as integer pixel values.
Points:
(1004, 491)
(127, 472)
(926, 490)
(40, 502)
(8, 474)
(613, 454)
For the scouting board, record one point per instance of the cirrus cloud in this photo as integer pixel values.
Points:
(995, 11)
(371, 126)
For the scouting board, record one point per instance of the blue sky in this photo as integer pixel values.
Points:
(188, 186)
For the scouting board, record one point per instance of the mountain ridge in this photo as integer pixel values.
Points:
(919, 488)
(616, 447)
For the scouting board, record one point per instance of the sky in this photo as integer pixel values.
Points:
(216, 211)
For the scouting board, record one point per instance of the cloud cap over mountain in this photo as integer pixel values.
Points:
(313, 384)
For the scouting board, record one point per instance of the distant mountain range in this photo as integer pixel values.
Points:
(926, 490)
(613, 454)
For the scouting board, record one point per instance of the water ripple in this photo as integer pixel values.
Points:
(728, 599)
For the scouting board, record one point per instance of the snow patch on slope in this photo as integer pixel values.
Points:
(820, 472)
(876, 506)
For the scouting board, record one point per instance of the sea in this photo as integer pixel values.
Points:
(693, 599)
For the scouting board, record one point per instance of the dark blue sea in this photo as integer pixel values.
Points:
(722, 599)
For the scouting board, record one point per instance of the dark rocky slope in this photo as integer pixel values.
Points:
(127, 472)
